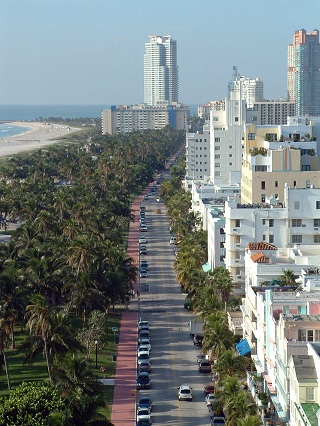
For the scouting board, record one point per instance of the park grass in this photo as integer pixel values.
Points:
(20, 372)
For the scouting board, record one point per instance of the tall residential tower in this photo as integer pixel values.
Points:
(161, 82)
(304, 72)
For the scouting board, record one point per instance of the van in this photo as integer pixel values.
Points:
(173, 241)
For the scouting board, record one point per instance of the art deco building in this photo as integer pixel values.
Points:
(161, 82)
(304, 72)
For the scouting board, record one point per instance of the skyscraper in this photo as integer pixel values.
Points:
(304, 72)
(251, 89)
(161, 82)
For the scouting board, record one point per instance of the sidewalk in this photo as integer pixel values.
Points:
(124, 396)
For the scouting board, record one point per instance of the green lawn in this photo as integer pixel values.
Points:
(20, 372)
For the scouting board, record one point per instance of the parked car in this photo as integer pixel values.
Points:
(143, 273)
(145, 342)
(143, 414)
(144, 422)
(184, 393)
(143, 250)
(210, 398)
(197, 340)
(142, 351)
(204, 367)
(143, 380)
(143, 323)
(144, 365)
(145, 334)
(146, 197)
(144, 264)
(145, 402)
(173, 241)
(143, 228)
(202, 357)
(142, 240)
(209, 389)
(217, 421)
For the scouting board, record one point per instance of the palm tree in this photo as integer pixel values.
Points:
(217, 336)
(228, 364)
(5, 329)
(222, 282)
(288, 278)
(249, 420)
(239, 406)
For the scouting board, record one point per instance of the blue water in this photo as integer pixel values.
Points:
(34, 112)
(7, 130)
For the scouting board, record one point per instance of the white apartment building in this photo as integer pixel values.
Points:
(250, 89)
(226, 132)
(273, 111)
(130, 118)
(161, 79)
(198, 155)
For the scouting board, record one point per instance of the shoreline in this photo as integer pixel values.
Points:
(38, 135)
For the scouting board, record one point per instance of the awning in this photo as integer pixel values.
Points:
(243, 347)
(206, 267)
(269, 383)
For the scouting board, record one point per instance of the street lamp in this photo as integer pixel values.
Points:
(96, 343)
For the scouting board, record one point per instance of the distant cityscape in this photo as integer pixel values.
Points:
(253, 171)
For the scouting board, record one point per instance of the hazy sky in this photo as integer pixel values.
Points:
(91, 51)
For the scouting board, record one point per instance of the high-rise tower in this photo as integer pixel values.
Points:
(161, 80)
(251, 89)
(304, 72)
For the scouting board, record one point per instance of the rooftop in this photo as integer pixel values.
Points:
(304, 367)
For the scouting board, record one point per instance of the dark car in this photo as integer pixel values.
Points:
(144, 365)
(143, 250)
(143, 380)
(204, 367)
(145, 334)
(145, 402)
(197, 340)
(144, 264)
(143, 357)
(144, 422)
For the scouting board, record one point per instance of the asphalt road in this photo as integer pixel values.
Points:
(173, 355)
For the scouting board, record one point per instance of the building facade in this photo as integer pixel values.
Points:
(304, 72)
(274, 112)
(161, 77)
(250, 89)
(198, 155)
(130, 118)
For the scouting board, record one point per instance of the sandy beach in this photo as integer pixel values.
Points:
(39, 135)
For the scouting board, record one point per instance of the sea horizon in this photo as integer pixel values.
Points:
(10, 113)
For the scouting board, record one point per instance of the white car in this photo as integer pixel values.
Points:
(184, 393)
(210, 398)
(144, 347)
(145, 342)
(143, 228)
(142, 240)
(143, 351)
(143, 414)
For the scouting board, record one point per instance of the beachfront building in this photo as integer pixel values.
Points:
(161, 79)
(304, 72)
(129, 118)
(274, 156)
(198, 155)
(273, 112)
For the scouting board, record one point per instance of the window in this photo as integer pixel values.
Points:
(217, 156)
(271, 223)
(217, 173)
(263, 198)
(251, 136)
(276, 184)
(263, 237)
(217, 139)
(263, 184)
(296, 223)
(294, 183)
(317, 205)
(230, 164)
(308, 184)
(309, 393)
(286, 309)
(296, 239)
(237, 223)
(296, 205)
(217, 165)
(230, 146)
(217, 148)
(263, 221)
(236, 119)
(230, 155)
(316, 238)
(271, 239)
(316, 222)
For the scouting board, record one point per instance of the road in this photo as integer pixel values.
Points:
(173, 354)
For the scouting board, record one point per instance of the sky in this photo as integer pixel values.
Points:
(75, 52)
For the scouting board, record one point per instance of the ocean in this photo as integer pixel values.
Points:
(34, 112)
(27, 113)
